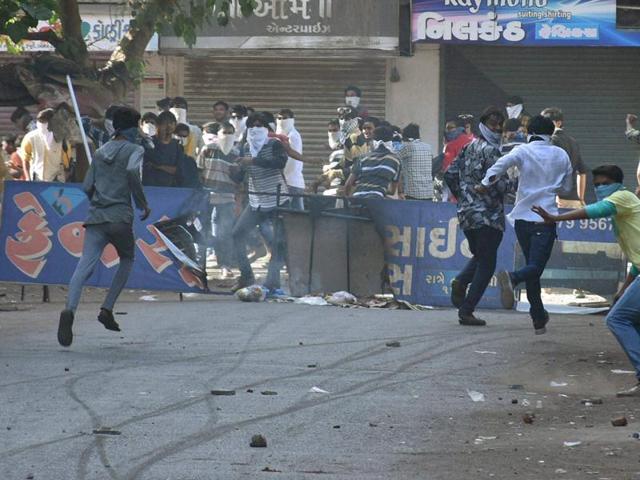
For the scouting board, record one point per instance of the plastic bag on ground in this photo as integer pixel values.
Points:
(342, 298)
(254, 293)
(313, 301)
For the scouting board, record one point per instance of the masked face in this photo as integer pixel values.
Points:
(284, 125)
(257, 137)
(352, 101)
(209, 138)
(149, 129)
(379, 143)
(180, 114)
(334, 140)
(225, 141)
(605, 190)
(108, 126)
(514, 111)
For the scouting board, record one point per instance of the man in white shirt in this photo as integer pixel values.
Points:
(285, 125)
(193, 143)
(545, 170)
(44, 158)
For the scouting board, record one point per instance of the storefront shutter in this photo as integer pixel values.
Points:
(595, 87)
(312, 88)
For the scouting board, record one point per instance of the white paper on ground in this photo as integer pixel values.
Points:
(149, 298)
(524, 306)
(572, 444)
(475, 396)
(622, 372)
(317, 390)
(558, 384)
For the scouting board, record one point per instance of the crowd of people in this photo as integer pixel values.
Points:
(251, 163)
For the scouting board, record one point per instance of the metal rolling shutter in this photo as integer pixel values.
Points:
(595, 87)
(312, 88)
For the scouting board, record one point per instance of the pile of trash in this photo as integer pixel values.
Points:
(257, 293)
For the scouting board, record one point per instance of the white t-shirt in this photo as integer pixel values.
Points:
(293, 169)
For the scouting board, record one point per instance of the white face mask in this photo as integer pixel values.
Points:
(180, 114)
(515, 111)
(149, 129)
(43, 129)
(257, 138)
(379, 143)
(181, 140)
(285, 126)
(240, 125)
(209, 138)
(353, 102)
(334, 140)
(225, 142)
(108, 126)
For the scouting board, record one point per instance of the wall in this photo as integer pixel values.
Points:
(416, 97)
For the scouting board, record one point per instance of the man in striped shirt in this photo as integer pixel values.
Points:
(416, 159)
(376, 174)
(262, 165)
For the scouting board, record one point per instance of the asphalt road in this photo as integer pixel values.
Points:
(390, 412)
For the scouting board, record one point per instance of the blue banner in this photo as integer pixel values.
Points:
(579, 23)
(425, 248)
(42, 232)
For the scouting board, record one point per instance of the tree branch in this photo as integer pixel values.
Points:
(73, 45)
(45, 36)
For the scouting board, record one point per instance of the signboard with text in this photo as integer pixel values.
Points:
(337, 24)
(578, 23)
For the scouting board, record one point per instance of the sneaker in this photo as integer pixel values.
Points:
(470, 320)
(242, 283)
(458, 293)
(65, 333)
(507, 297)
(540, 326)
(630, 392)
(106, 318)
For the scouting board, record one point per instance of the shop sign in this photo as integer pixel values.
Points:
(527, 22)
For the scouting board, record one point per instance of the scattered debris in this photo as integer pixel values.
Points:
(480, 440)
(312, 301)
(514, 401)
(525, 403)
(121, 313)
(485, 352)
(528, 418)
(516, 387)
(106, 431)
(317, 390)
(394, 344)
(475, 396)
(223, 393)
(558, 384)
(258, 441)
(271, 470)
(636, 435)
(312, 365)
(149, 298)
(341, 298)
(539, 404)
(560, 470)
(622, 372)
(336, 427)
(66, 369)
(30, 476)
(620, 422)
(268, 393)
(591, 401)
(572, 444)
(249, 390)
(254, 293)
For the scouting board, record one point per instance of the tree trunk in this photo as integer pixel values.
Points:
(73, 45)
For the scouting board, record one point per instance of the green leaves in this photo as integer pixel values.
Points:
(16, 17)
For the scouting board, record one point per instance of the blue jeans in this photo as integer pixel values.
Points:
(483, 243)
(624, 322)
(536, 241)
(96, 238)
(297, 203)
(271, 230)
(223, 220)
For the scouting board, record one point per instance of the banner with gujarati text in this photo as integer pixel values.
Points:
(42, 232)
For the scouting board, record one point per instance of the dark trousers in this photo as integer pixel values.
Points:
(271, 231)
(536, 241)
(483, 243)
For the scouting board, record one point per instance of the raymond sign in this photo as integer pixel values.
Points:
(334, 24)
(542, 23)
(425, 249)
(41, 237)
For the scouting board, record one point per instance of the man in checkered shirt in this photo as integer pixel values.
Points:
(416, 159)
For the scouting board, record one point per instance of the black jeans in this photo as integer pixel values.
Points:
(271, 230)
(483, 243)
(536, 241)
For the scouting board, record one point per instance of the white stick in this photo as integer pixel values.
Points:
(72, 93)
